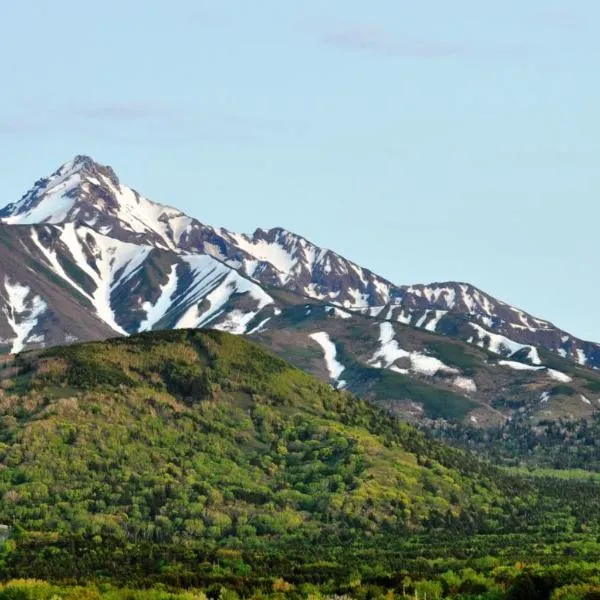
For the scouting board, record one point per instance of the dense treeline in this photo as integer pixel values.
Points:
(560, 444)
(579, 581)
(197, 460)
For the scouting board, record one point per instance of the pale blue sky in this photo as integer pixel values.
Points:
(427, 140)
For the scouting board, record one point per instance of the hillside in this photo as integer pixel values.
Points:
(190, 441)
(422, 376)
(177, 417)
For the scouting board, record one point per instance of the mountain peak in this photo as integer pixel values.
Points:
(53, 198)
(88, 167)
(85, 192)
(84, 161)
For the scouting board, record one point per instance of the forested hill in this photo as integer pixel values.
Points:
(193, 441)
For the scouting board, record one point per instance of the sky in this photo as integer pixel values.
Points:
(428, 141)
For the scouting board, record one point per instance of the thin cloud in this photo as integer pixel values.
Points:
(176, 138)
(183, 117)
(119, 112)
(375, 40)
(367, 39)
(144, 123)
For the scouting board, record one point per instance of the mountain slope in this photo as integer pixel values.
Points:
(186, 438)
(421, 375)
(80, 284)
(84, 257)
(461, 310)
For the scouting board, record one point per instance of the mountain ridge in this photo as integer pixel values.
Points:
(87, 258)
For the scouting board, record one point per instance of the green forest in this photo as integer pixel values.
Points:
(194, 464)
(551, 444)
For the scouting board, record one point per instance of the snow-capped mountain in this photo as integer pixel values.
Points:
(83, 257)
(124, 286)
(461, 310)
(83, 192)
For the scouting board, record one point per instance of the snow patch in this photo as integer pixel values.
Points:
(236, 321)
(465, 383)
(215, 284)
(581, 357)
(422, 320)
(405, 319)
(437, 316)
(55, 204)
(389, 352)
(428, 365)
(518, 366)
(155, 312)
(115, 262)
(359, 300)
(22, 316)
(273, 253)
(558, 376)
(375, 311)
(534, 356)
(334, 367)
(497, 343)
(260, 327)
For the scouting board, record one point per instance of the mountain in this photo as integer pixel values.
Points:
(85, 193)
(83, 257)
(133, 456)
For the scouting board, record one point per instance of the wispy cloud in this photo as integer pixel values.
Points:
(144, 123)
(182, 117)
(378, 41)
(37, 119)
(119, 111)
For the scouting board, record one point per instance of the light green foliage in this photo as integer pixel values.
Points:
(198, 460)
(189, 435)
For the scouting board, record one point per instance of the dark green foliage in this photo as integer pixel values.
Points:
(561, 444)
(438, 404)
(563, 390)
(455, 355)
(593, 385)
